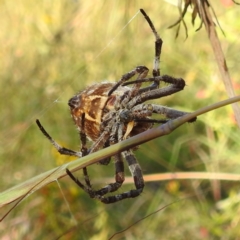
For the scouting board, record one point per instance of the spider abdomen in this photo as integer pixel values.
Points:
(89, 106)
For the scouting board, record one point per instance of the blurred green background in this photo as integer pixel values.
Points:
(52, 49)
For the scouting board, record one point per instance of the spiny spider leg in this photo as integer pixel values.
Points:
(136, 172)
(60, 149)
(86, 189)
(146, 110)
(69, 152)
(83, 137)
(140, 113)
(163, 78)
(119, 177)
(84, 150)
(102, 139)
(170, 113)
(141, 70)
(158, 49)
(176, 85)
(151, 120)
(99, 194)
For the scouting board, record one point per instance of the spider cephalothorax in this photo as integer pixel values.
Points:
(108, 113)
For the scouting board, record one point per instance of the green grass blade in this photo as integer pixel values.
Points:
(26, 188)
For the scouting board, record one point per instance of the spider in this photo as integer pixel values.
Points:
(107, 113)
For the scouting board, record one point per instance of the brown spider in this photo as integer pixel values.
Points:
(107, 113)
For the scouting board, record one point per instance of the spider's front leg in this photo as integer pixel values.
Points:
(141, 70)
(169, 113)
(141, 111)
(158, 49)
(176, 85)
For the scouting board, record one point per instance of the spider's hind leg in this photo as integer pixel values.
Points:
(142, 72)
(136, 172)
(112, 187)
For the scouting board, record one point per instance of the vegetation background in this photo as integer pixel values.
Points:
(52, 49)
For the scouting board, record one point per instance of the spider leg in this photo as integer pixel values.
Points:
(146, 120)
(99, 194)
(119, 179)
(141, 70)
(170, 113)
(143, 110)
(135, 169)
(86, 189)
(60, 149)
(66, 151)
(119, 175)
(176, 85)
(82, 136)
(105, 161)
(163, 78)
(102, 141)
(140, 113)
(158, 49)
(124, 98)
(119, 170)
(84, 150)
(136, 172)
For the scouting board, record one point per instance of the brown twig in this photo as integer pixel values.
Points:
(217, 49)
